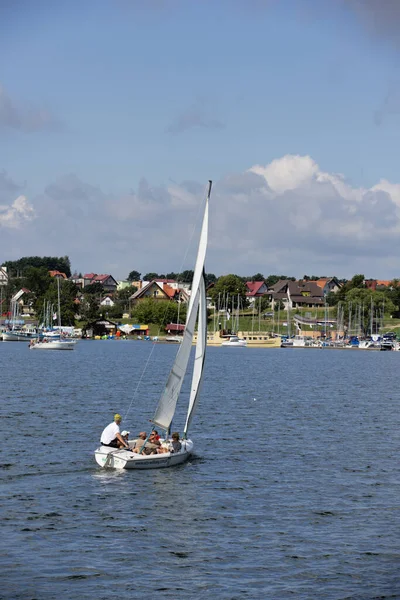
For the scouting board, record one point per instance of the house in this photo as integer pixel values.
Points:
(107, 301)
(328, 284)
(21, 299)
(107, 281)
(100, 327)
(160, 290)
(77, 280)
(374, 284)
(298, 294)
(175, 328)
(3, 276)
(255, 289)
(57, 275)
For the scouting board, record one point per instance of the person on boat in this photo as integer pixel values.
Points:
(111, 435)
(175, 445)
(154, 440)
(125, 435)
(141, 441)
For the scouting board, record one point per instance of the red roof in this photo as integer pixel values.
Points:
(89, 276)
(174, 327)
(165, 280)
(55, 273)
(169, 290)
(101, 277)
(253, 287)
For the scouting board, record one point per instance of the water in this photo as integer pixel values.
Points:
(294, 492)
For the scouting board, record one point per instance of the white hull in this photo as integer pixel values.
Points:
(53, 345)
(12, 336)
(235, 343)
(173, 339)
(107, 457)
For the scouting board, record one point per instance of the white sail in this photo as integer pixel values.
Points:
(167, 403)
(201, 346)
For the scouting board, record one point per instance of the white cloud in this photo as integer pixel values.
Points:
(288, 216)
(18, 213)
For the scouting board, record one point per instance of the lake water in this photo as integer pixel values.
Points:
(294, 491)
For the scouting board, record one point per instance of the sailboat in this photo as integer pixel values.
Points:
(52, 343)
(107, 456)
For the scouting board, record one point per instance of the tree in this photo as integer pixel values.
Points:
(134, 276)
(68, 292)
(357, 281)
(160, 312)
(226, 291)
(17, 268)
(272, 279)
(257, 277)
(150, 276)
(358, 305)
(262, 303)
(186, 276)
(210, 278)
(94, 289)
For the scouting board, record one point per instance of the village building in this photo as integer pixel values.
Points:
(255, 289)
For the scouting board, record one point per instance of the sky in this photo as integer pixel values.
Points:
(114, 114)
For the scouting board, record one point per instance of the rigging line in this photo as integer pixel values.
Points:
(166, 308)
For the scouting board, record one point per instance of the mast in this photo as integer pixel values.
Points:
(58, 305)
(166, 406)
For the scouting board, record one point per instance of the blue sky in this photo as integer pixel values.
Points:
(110, 110)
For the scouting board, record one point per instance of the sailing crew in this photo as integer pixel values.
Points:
(141, 441)
(175, 445)
(111, 435)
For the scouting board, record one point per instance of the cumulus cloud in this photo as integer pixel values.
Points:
(27, 119)
(286, 216)
(196, 116)
(16, 214)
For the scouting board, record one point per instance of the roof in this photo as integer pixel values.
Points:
(101, 277)
(165, 280)
(254, 287)
(174, 327)
(168, 290)
(383, 282)
(143, 290)
(89, 276)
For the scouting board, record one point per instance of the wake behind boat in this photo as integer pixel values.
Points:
(107, 456)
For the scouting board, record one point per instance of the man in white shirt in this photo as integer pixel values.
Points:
(111, 435)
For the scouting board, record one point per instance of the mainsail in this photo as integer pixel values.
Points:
(167, 403)
(201, 346)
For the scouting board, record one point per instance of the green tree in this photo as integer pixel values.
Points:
(257, 277)
(134, 276)
(358, 305)
(186, 276)
(17, 268)
(227, 290)
(160, 312)
(150, 276)
(210, 278)
(68, 306)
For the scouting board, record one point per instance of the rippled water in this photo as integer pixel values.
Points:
(294, 491)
